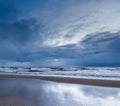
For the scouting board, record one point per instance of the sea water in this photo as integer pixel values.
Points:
(74, 72)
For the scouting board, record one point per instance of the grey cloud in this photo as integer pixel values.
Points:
(17, 39)
(8, 11)
(18, 31)
(21, 39)
(103, 40)
(98, 55)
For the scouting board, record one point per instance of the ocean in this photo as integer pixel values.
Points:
(112, 73)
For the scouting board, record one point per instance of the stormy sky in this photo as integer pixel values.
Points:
(60, 32)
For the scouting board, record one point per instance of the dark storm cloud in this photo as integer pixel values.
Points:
(20, 31)
(15, 38)
(15, 34)
(24, 32)
(13, 29)
(8, 11)
(98, 49)
(102, 40)
(104, 49)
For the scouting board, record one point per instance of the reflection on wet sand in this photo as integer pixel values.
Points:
(33, 92)
(14, 102)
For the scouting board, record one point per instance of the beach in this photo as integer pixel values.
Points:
(97, 82)
(8, 101)
(19, 90)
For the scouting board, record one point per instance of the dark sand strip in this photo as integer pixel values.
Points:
(96, 82)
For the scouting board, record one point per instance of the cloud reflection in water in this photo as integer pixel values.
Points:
(45, 93)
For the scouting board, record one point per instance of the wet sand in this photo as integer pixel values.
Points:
(96, 82)
(35, 92)
(8, 101)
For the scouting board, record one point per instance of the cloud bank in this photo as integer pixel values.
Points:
(60, 33)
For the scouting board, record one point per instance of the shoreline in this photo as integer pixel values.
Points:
(84, 81)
